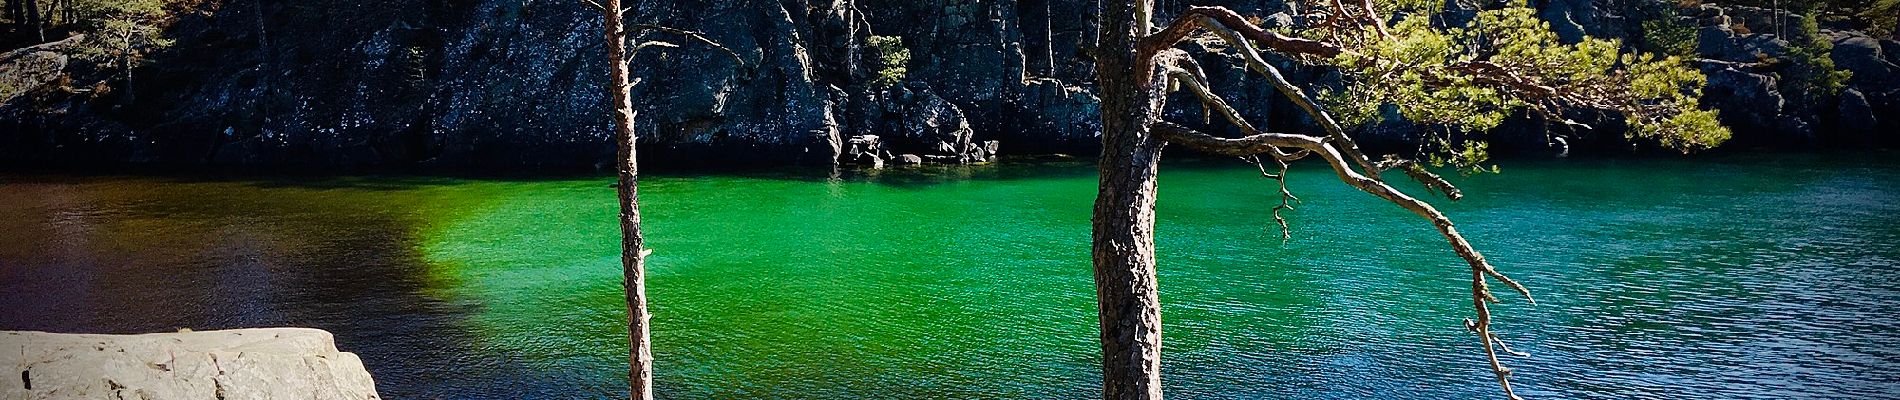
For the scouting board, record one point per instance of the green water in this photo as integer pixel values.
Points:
(1743, 277)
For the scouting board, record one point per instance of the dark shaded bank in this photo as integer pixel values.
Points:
(512, 84)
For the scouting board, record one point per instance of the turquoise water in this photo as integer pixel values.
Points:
(1741, 277)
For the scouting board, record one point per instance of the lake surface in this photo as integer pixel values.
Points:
(1739, 277)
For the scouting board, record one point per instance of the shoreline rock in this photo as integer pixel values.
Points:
(299, 363)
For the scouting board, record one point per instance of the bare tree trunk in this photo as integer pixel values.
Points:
(16, 12)
(33, 19)
(125, 61)
(266, 67)
(850, 41)
(632, 256)
(1127, 297)
(1048, 53)
(1039, 51)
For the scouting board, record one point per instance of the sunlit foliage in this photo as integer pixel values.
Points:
(1813, 73)
(892, 60)
(120, 33)
(1505, 62)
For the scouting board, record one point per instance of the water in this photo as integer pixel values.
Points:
(1757, 277)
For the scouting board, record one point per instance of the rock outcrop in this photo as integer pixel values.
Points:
(33, 68)
(274, 363)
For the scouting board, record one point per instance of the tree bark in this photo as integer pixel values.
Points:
(1127, 297)
(632, 247)
(15, 11)
(33, 19)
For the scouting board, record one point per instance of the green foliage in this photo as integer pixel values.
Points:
(1878, 17)
(1882, 16)
(1812, 69)
(1669, 36)
(120, 33)
(1468, 157)
(892, 60)
(1506, 61)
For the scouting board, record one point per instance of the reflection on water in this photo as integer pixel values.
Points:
(1732, 278)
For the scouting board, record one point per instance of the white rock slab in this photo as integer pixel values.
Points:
(271, 363)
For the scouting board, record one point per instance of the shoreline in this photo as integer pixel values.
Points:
(237, 363)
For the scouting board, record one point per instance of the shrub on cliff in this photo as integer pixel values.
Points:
(120, 33)
(1811, 72)
(892, 60)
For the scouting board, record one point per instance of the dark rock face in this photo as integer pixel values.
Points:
(1750, 102)
(1870, 108)
(496, 83)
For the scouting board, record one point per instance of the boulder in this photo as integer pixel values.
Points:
(1750, 103)
(281, 363)
(30, 68)
(1856, 114)
(865, 150)
(1875, 83)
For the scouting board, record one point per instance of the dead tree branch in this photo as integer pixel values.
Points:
(689, 34)
(1334, 157)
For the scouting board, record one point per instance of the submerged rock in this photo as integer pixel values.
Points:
(273, 363)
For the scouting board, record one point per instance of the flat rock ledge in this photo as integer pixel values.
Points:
(271, 363)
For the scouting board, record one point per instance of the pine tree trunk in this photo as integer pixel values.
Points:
(15, 11)
(1123, 244)
(633, 261)
(33, 19)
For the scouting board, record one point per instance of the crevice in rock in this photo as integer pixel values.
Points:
(26, 379)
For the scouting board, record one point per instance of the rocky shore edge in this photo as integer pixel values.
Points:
(264, 363)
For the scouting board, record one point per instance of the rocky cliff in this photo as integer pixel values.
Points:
(507, 83)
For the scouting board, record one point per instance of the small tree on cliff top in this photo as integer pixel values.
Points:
(1468, 78)
(121, 33)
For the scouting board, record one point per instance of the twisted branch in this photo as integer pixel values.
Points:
(1242, 40)
(1480, 268)
(1286, 196)
(1336, 148)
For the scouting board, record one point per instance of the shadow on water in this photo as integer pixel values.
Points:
(138, 255)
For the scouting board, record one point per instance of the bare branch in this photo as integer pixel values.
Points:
(1431, 181)
(1480, 268)
(1191, 20)
(1239, 147)
(691, 34)
(1286, 196)
(1241, 44)
(650, 43)
(1197, 84)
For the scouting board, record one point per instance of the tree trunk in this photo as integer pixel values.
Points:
(1048, 53)
(128, 62)
(850, 41)
(15, 11)
(632, 257)
(1127, 298)
(1038, 36)
(33, 19)
(266, 65)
